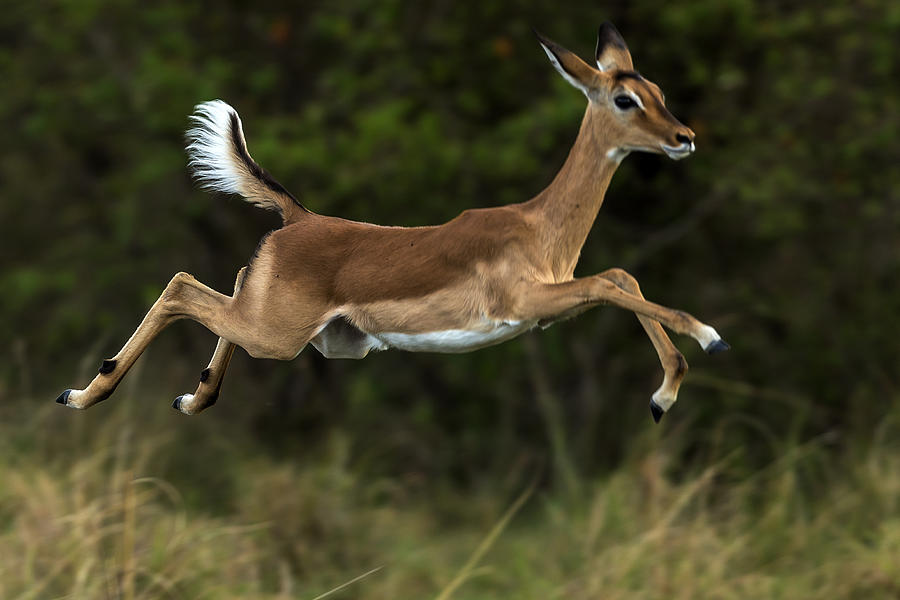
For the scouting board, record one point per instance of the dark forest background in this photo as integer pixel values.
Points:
(781, 232)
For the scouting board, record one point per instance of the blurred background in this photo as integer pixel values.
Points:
(531, 469)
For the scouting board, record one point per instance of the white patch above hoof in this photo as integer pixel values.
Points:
(184, 404)
(70, 398)
(662, 400)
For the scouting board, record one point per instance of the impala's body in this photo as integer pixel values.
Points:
(420, 278)
(488, 275)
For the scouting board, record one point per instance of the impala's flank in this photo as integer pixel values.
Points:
(488, 275)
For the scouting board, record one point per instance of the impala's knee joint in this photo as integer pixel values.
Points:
(107, 367)
(176, 284)
(625, 279)
(681, 365)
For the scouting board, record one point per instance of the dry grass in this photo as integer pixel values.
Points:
(85, 513)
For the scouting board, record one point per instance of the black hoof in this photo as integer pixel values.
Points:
(177, 403)
(656, 411)
(717, 346)
(64, 397)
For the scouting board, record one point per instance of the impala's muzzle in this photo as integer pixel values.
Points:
(684, 145)
(679, 152)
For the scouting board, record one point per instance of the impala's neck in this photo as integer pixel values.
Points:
(566, 209)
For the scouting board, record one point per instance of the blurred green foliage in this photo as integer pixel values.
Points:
(782, 231)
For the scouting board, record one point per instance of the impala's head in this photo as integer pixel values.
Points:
(632, 108)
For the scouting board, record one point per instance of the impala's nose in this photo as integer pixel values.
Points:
(684, 144)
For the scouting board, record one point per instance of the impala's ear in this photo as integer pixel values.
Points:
(612, 53)
(573, 69)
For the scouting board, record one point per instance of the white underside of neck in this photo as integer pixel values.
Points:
(617, 155)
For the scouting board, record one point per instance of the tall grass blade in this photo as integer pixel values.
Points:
(487, 542)
(351, 582)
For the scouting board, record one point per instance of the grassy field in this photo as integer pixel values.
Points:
(528, 470)
(130, 500)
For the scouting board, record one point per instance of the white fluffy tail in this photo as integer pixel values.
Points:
(219, 161)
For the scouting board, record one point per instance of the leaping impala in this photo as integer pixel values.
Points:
(485, 277)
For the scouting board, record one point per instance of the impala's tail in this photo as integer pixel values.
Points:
(219, 161)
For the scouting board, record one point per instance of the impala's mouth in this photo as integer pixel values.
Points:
(679, 152)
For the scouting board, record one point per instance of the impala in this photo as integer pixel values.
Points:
(488, 275)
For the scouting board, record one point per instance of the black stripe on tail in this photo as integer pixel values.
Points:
(254, 168)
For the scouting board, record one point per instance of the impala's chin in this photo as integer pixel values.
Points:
(679, 152)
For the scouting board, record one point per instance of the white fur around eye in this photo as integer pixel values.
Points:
(635, 97)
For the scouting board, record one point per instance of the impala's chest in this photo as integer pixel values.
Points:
(456, 340)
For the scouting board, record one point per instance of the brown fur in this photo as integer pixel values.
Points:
(506, 264)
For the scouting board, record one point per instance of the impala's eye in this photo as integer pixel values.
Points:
(625, 102)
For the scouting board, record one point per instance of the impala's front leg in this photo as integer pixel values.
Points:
(673, 362)
(551, 301)
(615, 286)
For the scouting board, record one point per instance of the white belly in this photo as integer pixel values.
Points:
(455, 340)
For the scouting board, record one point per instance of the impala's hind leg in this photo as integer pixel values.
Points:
(184, 297)
(673, 362)
(211, 377)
